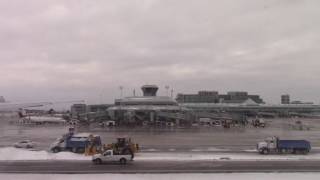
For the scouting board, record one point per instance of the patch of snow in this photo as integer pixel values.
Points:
(11, 154)
(220, 156)
(250, 150)
(210, 149)
(216, 149)
(151, 150)
(196, 150)
(217, 176)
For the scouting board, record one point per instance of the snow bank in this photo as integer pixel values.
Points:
(221, 156)
(210, 149)
(228, 176)
(11, 153)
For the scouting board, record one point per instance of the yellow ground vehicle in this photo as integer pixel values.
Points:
(123, 146)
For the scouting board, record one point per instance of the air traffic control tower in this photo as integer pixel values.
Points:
(149, 90)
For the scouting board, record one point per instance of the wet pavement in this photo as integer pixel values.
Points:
(171, 138)
(205, 166)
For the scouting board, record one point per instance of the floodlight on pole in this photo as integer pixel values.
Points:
(167, 89)
(121, 91)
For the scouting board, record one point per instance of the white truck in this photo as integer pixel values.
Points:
(110, 156)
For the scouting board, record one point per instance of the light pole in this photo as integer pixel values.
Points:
(121, 91)
(167, 89)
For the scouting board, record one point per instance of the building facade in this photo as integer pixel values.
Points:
(147, 109)
(78, 110)
(202, 96)
(215, 97)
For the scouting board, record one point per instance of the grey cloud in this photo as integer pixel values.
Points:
(80, 49)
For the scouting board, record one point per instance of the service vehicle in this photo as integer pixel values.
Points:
(77, 143)
(258, 122)
(275, 145)
(123, 145)
(111, 156)
(25, 144)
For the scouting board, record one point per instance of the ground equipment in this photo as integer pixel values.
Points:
(123, 146)
(78, 143)
(111, 156)
(275, 145)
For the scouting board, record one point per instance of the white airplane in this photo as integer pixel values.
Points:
(24, 118)
(11, 107)
(41, 120)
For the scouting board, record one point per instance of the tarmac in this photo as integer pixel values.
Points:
(204, 166)
(172, 138)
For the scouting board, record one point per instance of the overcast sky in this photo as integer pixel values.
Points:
(65, 50)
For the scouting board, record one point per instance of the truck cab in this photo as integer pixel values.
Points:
(268, 145)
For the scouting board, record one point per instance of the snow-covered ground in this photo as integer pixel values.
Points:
(228, 176)
(220, 156)
(12, 154)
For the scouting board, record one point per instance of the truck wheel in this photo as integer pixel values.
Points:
(305, 151)
(123, 161)
(56, 150)
(74, 150)
(283, 151)
(97, 161)
(80, 150)
(127, 151)
(265, 151)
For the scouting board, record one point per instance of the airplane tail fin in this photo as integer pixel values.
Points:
(2, 100)
(22, 113)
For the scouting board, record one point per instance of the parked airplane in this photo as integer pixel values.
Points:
(34, 119)
(25, 119)
(9, 106)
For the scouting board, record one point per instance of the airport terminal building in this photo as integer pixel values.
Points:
(148, 109)
(214, 97)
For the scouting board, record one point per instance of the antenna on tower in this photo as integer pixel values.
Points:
(172, 93)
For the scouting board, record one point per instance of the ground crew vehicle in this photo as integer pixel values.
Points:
(275, 145)
(77, 143)
(111, 156)
(24, 144)
(258, 122)
(123, 146)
